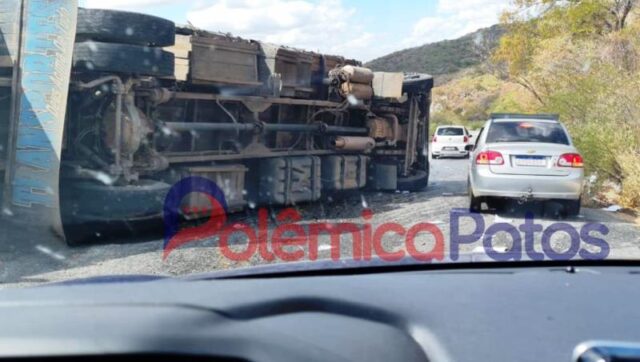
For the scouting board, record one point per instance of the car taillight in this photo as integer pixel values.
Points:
(571, 160)
(489, 158)
(466, 139)
(435, 139)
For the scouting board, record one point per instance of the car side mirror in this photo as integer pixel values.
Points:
(469, 148)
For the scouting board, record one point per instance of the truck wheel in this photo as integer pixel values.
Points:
(416, 182)
(89, 201)
(417, 83)
(122, 58)
(124, 27)
(93, 211)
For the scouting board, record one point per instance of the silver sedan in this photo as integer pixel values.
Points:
(525, 157)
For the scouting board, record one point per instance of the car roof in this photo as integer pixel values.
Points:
(450, 126)
(541, 120)
(539, 116)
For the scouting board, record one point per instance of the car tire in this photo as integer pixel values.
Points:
(475, 203)
(122, 58)
(124, 27)
(435, 157)
(416, 182)
(496, 203)
(572, 207)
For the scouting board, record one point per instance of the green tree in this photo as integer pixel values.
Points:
(532, 22)
(581, 59)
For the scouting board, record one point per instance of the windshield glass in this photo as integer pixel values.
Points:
(450, 131)
(527, 131)
(170, 138)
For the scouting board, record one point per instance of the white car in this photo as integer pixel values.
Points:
(525, 157)
(450, 141)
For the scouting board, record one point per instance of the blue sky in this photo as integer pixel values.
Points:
(362, 29)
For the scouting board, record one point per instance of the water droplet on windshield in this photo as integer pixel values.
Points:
(47, 251)
(165, 130)
(365, 205)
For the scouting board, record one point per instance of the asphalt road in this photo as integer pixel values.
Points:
(26, 261)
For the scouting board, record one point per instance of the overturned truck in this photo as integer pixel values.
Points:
(151, 104)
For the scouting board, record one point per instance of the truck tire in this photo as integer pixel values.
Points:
(94, 212)
(124, 27)
(416, 182)
(90, 201)
(417, 83)
(122, 58)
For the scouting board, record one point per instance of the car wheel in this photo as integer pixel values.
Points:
(475, 203)
(122, 58)
(415, 182)
(124, 27)
(435, 157)
(572, 207)
(496, 203)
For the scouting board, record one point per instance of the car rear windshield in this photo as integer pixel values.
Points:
(527, 131)
(450, 131)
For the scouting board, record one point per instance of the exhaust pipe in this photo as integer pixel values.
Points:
(354, 143)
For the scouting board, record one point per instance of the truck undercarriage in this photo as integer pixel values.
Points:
(270, 125)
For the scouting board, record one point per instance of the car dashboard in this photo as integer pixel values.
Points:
(482, 314)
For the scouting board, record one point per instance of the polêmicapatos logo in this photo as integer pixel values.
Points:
(174, 237)
(289, 240)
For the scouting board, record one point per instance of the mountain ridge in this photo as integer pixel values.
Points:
(444, 57)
